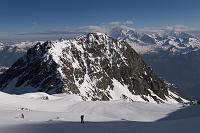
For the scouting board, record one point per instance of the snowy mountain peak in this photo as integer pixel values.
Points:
(180, 42)
(94, 67)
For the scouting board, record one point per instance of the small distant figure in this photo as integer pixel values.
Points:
(22, 116)
(82, 118)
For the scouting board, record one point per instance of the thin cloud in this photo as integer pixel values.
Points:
(177, 28)
(58, 32)
(104, 28)
(127, 22)
(107, 27)
(115, 23)
(92, 28)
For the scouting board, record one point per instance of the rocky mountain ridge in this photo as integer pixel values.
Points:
(94, 66)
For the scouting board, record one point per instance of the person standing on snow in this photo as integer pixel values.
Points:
(82, 118)
(22, 116)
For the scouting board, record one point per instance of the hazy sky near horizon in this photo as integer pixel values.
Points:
(18, 16)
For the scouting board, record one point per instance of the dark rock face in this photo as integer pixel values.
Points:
(92, 66)
(34, 70)
(2, 69)
(180, 69)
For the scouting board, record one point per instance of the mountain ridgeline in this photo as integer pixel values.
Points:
(170, 42)
(167, 52)
(94, 66)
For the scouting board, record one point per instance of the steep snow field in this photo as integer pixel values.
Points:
(61, 113)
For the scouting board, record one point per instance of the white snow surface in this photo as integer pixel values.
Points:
(61, 113)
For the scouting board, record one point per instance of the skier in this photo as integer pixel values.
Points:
(82, 118)
(22, 116)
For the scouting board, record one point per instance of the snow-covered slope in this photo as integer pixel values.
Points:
(72, 106)
(61, 113)
(94, 66)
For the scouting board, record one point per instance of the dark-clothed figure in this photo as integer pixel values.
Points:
(22, 116)
(82, 118)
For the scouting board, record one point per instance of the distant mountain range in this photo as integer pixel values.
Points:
(94, 66)
(10, 53)
(171, 42)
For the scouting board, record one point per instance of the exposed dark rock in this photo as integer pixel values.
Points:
(93, 64)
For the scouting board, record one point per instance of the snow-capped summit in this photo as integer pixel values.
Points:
(94, 66)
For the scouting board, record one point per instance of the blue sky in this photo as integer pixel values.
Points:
(18, 16)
